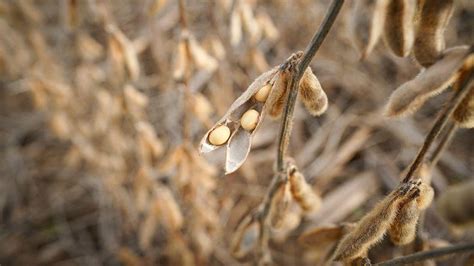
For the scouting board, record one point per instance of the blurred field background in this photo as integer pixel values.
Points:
(93, 164)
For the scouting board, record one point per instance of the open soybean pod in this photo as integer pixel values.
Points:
(238, 137)
(367, 24)
(410, 96)
(429, 37)
(399, 28)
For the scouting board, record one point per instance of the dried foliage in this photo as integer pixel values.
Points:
(103, 105)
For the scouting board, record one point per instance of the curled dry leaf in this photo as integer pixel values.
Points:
(302, 192)
(127, 49)
(399, 28)
(456, 204)
(429, 38)
(372, 227)
(411, 95)
(238, 146)
(312, 94)
(367, 24)
(403, 229)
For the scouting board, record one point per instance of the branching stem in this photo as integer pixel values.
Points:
(440, 122)
(285, 130)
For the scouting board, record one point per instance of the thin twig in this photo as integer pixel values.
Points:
(439, 124)
(308, 55)
(425, 255)
(443, 144)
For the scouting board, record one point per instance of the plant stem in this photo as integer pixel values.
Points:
(440, 122)
(285, 130)
(443, 144)
(308, 55)
(424, 255)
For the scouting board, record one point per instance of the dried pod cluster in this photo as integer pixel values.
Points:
(406, 25)
(266, 95)
(293, 186)
(403, 229)
(382, 218)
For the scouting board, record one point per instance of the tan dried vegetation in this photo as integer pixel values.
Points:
(135, 132)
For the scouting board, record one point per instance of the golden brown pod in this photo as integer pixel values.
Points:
(410, 96)
(302, 191)
(312, 94)
(403, 229)
(372, 227)
(429, 37)
(399, 28)
(464, 113)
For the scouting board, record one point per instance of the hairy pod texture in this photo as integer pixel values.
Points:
(302, 192)
(464, 113)
(403, 229)
(399, 28)
(312, 94)
(429, 39)
(410, 96)
(372, 227)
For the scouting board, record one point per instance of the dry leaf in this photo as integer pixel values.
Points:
(429, 38)
(410, 96)
(399, 31)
